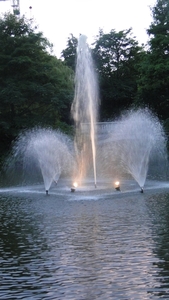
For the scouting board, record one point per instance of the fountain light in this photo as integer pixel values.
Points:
(117, 185)
(75, 184)
(73, 188)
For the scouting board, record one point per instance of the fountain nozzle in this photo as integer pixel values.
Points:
(47, 193)
(142, 191)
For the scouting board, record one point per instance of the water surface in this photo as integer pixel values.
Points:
(94, 248)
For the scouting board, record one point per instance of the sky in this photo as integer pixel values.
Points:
(57, 19)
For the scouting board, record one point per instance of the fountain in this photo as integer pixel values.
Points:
(84, 109)
(131, 142)
(44, 149)
(125, 148)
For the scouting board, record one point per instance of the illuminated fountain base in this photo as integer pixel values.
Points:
(133, 147)
(104, 191)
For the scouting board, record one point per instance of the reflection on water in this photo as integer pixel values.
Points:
(52, 248)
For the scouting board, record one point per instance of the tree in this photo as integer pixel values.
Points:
(69, 54)
(35, 87)
(116, 55)
(153, 85)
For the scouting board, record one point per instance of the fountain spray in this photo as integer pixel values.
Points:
(84, 109)
(45, 151)
(139, 138)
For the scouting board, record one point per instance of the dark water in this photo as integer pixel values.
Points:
(106, 248)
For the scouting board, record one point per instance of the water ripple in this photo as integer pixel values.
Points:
(105, 249)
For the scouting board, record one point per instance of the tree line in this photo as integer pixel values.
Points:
(37, 88)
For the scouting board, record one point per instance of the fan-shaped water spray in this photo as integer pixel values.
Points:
(46, 149)
(142, 134)
(133, 140)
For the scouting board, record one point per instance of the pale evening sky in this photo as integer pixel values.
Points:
(58, 18)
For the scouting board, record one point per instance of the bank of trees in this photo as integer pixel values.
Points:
(153, 81)
(116, 55)
(36, 88)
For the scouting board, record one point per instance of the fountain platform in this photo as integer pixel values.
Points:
(87, 191)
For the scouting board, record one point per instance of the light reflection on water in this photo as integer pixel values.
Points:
(112, 248)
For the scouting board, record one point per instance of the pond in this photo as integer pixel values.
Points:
(66, 246)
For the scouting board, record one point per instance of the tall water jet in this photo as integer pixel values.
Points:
(85, 109)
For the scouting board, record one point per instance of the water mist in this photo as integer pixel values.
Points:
(45, 151)
(138, 137)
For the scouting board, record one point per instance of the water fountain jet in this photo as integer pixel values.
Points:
(46, 150)
(85, 109)
(132, 143)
